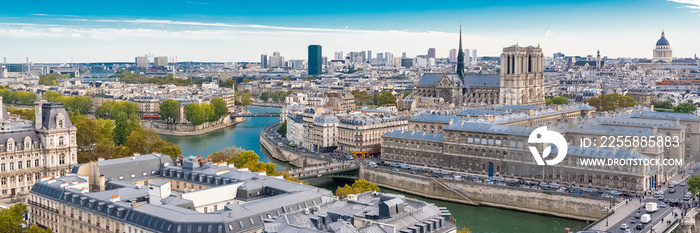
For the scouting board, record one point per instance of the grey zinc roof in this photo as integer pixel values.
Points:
(432, 79)
(415, 135)
(614, 130)
(666, 115)
(435, 118)
(52, 110)
(643, 123)
(136, 165)
(489, 128)
(483, 80)
(18, 136)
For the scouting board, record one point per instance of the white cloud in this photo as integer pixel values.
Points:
(692, 4)
(548, 33)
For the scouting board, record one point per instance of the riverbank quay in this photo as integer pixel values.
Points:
(278, 149)
(188, 129)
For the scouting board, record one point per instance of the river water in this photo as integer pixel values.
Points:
(478, 219)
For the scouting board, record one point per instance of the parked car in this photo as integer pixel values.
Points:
(624, 226)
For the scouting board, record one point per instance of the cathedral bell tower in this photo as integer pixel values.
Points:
(522, 76)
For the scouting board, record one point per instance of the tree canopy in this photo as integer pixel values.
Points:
(362, 98)
(685, 108)
(244, 97)
(608, 102)
(52, 79)
(17, 97)
(170, 110)
(282, 130)
(195, 114)
(662, 104)
(694, 185)
(12, 220)
(557, 100)
(384, 98)
(360, 186)
(219, 106)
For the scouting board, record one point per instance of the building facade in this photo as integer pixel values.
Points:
(29, 152)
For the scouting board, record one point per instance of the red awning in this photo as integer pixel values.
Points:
(151, 116)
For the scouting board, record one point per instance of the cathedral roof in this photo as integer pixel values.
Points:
(432, 79)
(483, 80)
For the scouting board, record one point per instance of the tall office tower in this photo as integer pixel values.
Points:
(263, 61)
(338, 55)
(142, 62)
(431, 53)
(388, 56)
(466, 57)
(160, 61)
(380, 57)
(363, 55)
(474, 57)
(403, 55)
(276, 60)
(315, 60)
(460, 57)
(453, 55)
(369, 55)
(325, 61)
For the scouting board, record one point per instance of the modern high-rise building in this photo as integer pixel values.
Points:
(466, 57)
(453, 55)
(276, 60)
(160, 61)
(338, 56)
(388, 56)
(369, 55)
(380, 57)
(403, 55)
(431, 53)
(263, 61)
(474, 57)
(142, 62)
(315, 60)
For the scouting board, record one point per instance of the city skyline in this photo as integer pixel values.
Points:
(226, 32)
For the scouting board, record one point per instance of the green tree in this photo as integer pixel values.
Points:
(283, 129)
(37, 229)
(685, 108)
(170, 110)
(52, 79)
(265, 96)
(53, 96)
(209, 112)
(11, 219)
(362, 98)
(407, 93)
(219, 106)
(81, 104)
(126, 119)
(244, 98)
(104, 110)
(360, 186)
(385, 98)
(557, 100)
(227, 83)
(608, 102)
(245, 80)
(464, 230)
(694, 185)
(662, 104)
(194, 114)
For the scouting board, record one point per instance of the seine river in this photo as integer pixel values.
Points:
(478, 219)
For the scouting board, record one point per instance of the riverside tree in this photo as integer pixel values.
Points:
(170, 110)
(607, 102)
(360, 186)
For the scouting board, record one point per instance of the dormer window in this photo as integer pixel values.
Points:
(60, 123)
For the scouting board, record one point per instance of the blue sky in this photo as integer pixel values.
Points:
(204, 30)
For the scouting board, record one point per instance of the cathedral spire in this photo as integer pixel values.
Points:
(460, 56)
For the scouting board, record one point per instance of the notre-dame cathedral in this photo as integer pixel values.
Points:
(520, 82)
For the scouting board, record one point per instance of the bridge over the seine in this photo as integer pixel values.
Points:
(256, 114)
(337, 169)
